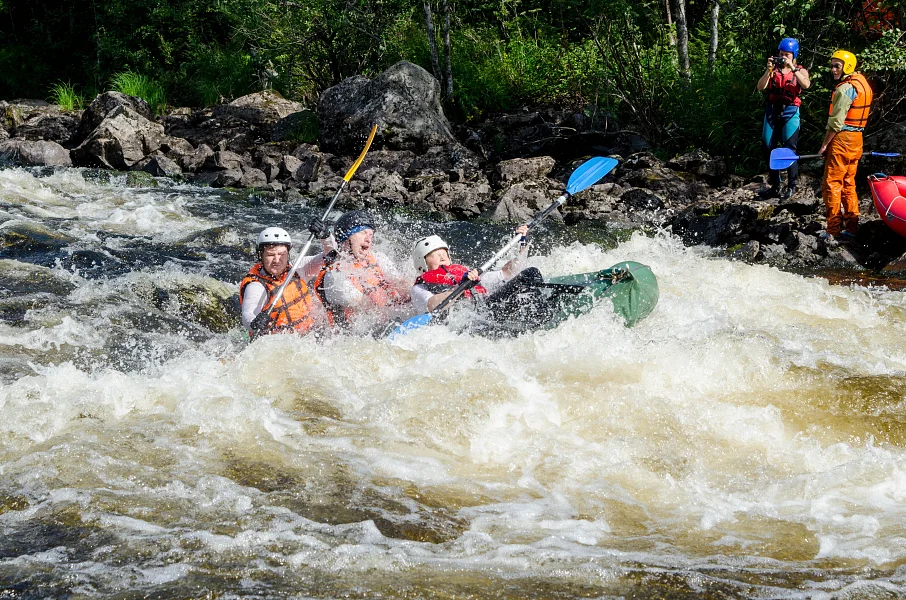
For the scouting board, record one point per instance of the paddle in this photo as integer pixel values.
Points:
(782, 158)
(311, 237)
(585, 176)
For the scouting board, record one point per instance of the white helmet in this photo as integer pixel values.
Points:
(273, 235)
(423, 248)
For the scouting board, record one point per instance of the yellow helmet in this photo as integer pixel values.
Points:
(848, 59)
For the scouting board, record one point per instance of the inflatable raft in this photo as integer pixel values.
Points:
(530, 303)
(889, 195)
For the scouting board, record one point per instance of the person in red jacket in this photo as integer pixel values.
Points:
(782, 82)
(440, 275)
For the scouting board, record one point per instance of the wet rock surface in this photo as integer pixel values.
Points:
(505, 168)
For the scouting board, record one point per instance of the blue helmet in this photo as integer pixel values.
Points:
(790, 45)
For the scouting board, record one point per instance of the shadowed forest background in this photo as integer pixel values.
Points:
(680, 72)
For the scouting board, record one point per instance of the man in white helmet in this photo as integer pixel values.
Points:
(295, 311)
(440, 275)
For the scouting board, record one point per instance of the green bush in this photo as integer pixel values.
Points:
(65, 96)
(136, 84)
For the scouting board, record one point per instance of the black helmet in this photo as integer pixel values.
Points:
(352, 222)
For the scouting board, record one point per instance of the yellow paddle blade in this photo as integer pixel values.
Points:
(356, 164)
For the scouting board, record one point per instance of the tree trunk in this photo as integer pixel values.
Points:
(448, 67)
(682, 37)
(432, 41)
(712, 48)
(672, 35)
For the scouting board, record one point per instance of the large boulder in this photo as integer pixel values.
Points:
(37, 153)
(101, 107)
(404, 102)
(260, 108)
(45, 123)
(120, 141)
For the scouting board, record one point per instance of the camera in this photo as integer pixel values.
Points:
(778, 62)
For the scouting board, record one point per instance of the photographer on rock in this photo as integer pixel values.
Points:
(783, 82)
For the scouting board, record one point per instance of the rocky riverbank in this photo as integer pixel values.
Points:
(505, 168)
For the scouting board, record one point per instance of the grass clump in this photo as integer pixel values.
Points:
(65, 95)
(140, 86)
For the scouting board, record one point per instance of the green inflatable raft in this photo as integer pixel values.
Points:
(529, 302)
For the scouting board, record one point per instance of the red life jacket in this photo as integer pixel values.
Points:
(294, 310)
(446, 277)
(365, 276)
(784, 89)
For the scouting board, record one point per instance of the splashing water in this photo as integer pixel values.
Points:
(747, 439)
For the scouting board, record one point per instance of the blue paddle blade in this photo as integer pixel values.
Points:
(782, 158)
(885, 154)
(589, 173)
(413, 323)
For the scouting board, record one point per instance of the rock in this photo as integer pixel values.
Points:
(747, 252)
(159, 165)
(20, 278)
(385, 185)
(516, 170)
(36, 153)
(140, 179)
(390, 160)
(48, 123)
(4, 134)
(253, 178)
(404, 102)
(461, 200)
(301, 126)
(194, 161)
(121, 140)
(699, 163)
(225, 178)
(288, 166)
(732, 225)
(308, 167)
(202, 300)
(641, 199)
(521, 203)
(261, 108)
(442, 160)
(101, 106)
(270, 166)
(176, 146)
(18, 237)
(223, 160)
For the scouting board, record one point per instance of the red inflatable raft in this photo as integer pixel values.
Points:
(889, 194)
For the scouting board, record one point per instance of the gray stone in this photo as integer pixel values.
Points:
(261, 108)
(194, 161)
(404, 102)
(747, 252)
(101, 106)
(37, 153)
(159, 166)
(309, 168)
(516, 170)
(253, 178)
(641, 199)
(223, 160)
(288, 166)
(122, 139)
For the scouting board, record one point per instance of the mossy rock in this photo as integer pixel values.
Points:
(24, 278)
(27, 236)
(140, 179)
(201, 300)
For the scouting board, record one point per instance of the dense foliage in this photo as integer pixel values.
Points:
(613, 57)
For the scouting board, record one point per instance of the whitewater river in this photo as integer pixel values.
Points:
(746, 440)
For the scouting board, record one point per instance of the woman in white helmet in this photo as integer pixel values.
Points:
(295, 311)
(360, 288)
(440, 275)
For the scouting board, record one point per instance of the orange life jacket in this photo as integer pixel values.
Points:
(858, 111)
(294, 311)
(365, 276)
(446, 277)
(784, 89)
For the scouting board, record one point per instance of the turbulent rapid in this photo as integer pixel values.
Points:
(745, 440)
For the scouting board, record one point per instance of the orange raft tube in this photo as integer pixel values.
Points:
(889, 195)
